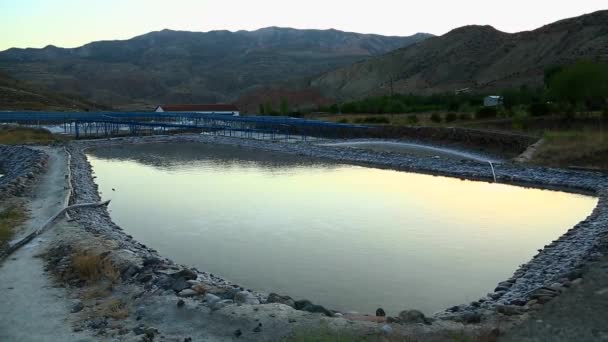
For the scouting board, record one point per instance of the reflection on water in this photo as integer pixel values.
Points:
(347, 237)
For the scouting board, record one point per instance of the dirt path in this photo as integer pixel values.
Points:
(31, 309)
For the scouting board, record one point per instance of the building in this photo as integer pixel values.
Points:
(218, 109)
(493, 101)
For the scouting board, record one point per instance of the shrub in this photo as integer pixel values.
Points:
(11, 135)
(115, 308)
(412, 119)
(464, 117)
(539, 109)
(486, 113)
(344, 121)
(436, 118)
(605, 113)
(92, 268)
(520, 119)
(9, 219)
(451, 117)
(569, 113)
(374, 120)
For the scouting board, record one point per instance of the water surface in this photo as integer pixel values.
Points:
(347, 237)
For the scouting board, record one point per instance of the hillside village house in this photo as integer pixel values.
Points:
(493, 101)
(217, 109)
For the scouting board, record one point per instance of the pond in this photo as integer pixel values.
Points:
(346, 237)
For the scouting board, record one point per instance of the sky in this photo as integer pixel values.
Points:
(71, 23)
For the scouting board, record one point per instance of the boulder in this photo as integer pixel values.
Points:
(180, 284)
(185, 273)
(510, 310)
(211, 299)
(386, 329)
(275, 298)
(151, 261)
(412, 316)
(188, 293)
(77, 307)
(306, 305)
(165, 282)
(246, 297)
(222, 304)
(470, 317)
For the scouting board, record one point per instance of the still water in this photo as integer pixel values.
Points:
(346, 237)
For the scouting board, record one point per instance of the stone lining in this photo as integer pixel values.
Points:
(20, 166)
(544, 277)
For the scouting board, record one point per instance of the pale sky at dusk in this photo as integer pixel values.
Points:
(71, 23)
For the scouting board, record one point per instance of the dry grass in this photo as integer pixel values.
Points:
(582, 142)
(96, 292)
(11, 135)
(114, 308)
(394, 119)
(200, 289)
(587, 148)
(93, 268)
(10, 218)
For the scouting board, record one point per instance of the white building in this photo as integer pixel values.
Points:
(218, 109)
(493, 101)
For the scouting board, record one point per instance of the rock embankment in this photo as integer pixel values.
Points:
(556, 267)
(19, 166)
(137, 262)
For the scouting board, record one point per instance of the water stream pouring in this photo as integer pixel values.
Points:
(493, 173)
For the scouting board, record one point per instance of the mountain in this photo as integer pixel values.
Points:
(477, 57)
(18, 95)
(187, 67)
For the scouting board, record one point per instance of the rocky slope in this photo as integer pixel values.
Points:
(18, 95)
(476, 57)
(177, 66)
(19, 166)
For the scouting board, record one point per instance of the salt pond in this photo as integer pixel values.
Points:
(347, 237)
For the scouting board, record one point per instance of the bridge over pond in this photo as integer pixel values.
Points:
(113, 124)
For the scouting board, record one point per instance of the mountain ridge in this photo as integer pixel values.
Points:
(481, 58)
(183, 66)
(17, 95)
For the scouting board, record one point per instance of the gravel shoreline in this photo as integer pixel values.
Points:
(20, 166)
(556, 267)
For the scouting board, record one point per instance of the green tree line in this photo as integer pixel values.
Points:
(580, 86)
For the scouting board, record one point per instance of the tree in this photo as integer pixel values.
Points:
(539, 109)
(396, 107)
(284, 106)
(334, 108)
(436, 118)
(582, 83)
(268, 110)
(550, 72)
(261, 109)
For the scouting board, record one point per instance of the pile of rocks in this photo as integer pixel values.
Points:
(20, 166)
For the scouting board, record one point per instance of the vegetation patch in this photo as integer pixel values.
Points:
(13, 135)
(574, 148)
(114, 308)
(325, 334)
(10, 218)
(93, 268)
(373, 120)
